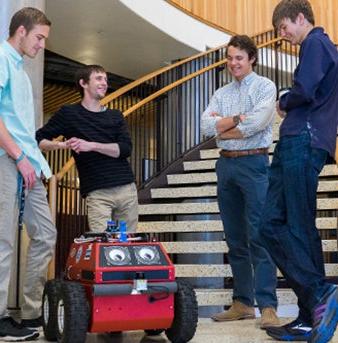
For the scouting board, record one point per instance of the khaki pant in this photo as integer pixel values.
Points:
(40, 230)
(115, 203)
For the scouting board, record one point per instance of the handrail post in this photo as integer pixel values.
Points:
(277, 81)
(52, 189)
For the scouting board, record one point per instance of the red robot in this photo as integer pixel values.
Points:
(114, 283)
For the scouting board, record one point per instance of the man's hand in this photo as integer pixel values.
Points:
(27, 171)
(80, 145)
(280, 112)
(242, 117)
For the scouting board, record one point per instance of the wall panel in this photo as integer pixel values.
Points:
(254, 16)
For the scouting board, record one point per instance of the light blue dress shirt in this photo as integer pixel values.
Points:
(254, 96)
(17, 108)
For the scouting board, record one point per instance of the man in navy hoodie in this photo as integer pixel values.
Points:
(307, 136)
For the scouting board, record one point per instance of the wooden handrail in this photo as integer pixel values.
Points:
(184, 79)
(262, 33)
(149, 76)
(171, 86)
(65, 169)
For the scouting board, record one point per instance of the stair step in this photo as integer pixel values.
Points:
(210, 177)
(211, 191)
(180, 226)
(191, 178)
(208, 225)
(223, 297)
(212, 247)
(209, 247)
(199, 165)
(212, 207)
(184, 192)
(328, 170)
(224, 270)
(328, 186)
(206, 154)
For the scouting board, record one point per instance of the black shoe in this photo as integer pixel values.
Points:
(32, 324)
(11, 331)
(294, 331)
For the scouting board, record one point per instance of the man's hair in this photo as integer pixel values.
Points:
(290, 9)
(84, 73)
(28, 17)
(244, 42)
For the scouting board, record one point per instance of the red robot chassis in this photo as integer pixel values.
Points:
(114, 286)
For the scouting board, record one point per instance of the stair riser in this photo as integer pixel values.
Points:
(212, 247)
(210, 297)
(223, 271)
(211, 191)
(212, 207)
(208, 225)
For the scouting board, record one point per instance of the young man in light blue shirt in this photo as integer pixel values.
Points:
(241, 114)
(22, 164)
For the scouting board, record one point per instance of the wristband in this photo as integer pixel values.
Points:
(20, 158)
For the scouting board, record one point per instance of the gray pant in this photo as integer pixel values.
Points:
(42, 234)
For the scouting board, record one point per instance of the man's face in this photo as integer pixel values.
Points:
(96, 88)
(238, 63)
(292, 31)
(30, 43)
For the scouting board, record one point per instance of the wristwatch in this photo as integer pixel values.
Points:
(236, 119)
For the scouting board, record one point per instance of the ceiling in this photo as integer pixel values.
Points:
(106, 32)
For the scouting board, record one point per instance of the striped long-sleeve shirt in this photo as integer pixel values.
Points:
(255, 97)
(96, 170)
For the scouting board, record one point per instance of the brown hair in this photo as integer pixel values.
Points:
(244, 42)
(28, 17)
(84, 74)
(290, 9)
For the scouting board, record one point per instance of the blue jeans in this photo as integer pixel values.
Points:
(288, 225)
(241, 188)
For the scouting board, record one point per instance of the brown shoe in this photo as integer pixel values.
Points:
(236, 311)
(269, 318)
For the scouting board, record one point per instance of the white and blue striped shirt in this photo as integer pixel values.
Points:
(255, 97)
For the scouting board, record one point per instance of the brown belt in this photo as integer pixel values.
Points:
(239, 153)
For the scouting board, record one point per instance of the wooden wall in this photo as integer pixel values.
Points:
(254, 16)
(326, 15)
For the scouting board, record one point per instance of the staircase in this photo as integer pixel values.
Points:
(190, 194)
(178, 206)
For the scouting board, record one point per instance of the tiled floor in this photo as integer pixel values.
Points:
(245, 331)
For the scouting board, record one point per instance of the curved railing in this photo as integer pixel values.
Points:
(185, 86)
(134, 92)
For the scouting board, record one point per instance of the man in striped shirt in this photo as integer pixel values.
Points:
(241, 115)
(100, 144)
